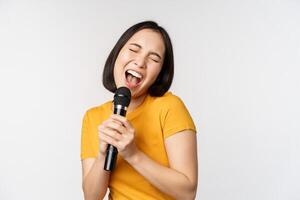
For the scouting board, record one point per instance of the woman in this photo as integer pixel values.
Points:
(156, 140)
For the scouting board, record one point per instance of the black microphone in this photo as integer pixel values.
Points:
(121, 101)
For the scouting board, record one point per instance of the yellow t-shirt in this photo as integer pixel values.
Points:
(154, 120)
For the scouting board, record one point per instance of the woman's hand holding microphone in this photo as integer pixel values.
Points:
(117, 131)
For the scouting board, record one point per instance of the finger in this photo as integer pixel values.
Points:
(127, 125)
(111, 133)
(116, 126)
(122, 119)
(107, 139)
(107, 122)
(101, 132)
(110, 119)
(118, 118)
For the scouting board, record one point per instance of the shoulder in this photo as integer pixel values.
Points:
(102, 109)
(168, 100)
(175, 116)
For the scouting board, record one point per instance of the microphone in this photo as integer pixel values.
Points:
(121, 101)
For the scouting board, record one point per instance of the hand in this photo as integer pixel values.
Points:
(118, 131)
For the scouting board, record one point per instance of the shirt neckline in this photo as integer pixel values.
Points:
(137, 111)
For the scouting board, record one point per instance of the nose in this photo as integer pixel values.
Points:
(140, 61)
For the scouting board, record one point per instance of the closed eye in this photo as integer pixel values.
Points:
(154, 60)
(133, 50)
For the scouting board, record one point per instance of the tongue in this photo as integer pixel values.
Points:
(132, 80)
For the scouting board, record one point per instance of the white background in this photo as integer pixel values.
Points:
(237, 70)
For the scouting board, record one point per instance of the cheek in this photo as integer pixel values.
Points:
(123, 57)
(154, 71)
(121, 61)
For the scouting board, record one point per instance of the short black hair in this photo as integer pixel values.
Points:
(165, 77)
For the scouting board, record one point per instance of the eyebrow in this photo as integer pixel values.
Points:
(152, 52)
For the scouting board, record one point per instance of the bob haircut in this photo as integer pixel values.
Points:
(164, 78)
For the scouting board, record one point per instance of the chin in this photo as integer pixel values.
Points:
(137, 94)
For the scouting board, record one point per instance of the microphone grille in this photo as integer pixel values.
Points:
(122, 96)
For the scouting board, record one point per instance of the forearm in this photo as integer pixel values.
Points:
(167, 180)
(96, 182)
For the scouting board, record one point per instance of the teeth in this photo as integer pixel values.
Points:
(134, 73)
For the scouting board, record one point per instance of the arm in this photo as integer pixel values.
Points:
(180, 180)
(95, 178)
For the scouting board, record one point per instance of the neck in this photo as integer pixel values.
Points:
(136, 102)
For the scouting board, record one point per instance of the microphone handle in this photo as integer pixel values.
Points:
(111, 151)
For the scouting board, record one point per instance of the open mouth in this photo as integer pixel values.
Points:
(133, 78)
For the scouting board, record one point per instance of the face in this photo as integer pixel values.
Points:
(139, 62)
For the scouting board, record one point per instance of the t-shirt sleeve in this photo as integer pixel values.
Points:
(176, 117)
(89, 138)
